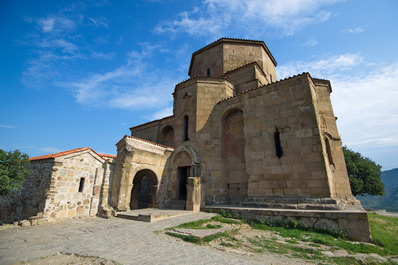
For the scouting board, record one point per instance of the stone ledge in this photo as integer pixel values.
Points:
(354, 222)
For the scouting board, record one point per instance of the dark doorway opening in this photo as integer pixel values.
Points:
(183, 174)
(143, 193)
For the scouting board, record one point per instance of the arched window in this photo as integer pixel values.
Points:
(208, 72)
(186, 127)
(167, 136)
(329, 151)
(278, 146)
(233, 156)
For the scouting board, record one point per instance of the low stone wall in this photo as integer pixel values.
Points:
(354, 223)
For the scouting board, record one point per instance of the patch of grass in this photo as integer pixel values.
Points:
(226, 244)
(198, 240)
(201, 224)
(210, 226)
(214, 236)
(187, 238)
(384, 232)
(323, 239)
(193, 225)
(224, 220)
(309, 254)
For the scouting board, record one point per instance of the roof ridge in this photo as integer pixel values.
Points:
(226, 38)
(106, 155)
(257, 42)
(68, 152)
(147, 141)
(245, 65)
(248, 90)
(151, 121)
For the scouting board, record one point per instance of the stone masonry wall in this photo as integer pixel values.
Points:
(335, 163)
(236, 55)
(286, 106)
(152, 130)
(65, 199)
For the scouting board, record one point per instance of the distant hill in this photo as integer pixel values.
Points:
(388, 202)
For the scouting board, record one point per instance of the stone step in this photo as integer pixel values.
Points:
(176, 205)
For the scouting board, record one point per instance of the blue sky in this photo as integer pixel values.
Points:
(80, 73)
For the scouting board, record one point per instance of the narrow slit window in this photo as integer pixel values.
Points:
(81, 185)
(329, 152)
(270, 76)
(208, 72)
(186, 125)
(278, 146)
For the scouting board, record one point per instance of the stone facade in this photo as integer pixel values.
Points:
(66, 184)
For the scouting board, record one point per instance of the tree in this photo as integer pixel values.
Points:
(364, 174)
(13, 170)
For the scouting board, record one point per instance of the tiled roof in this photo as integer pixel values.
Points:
(146, 141)
(50, 156)
(108, 156)
(151, 122)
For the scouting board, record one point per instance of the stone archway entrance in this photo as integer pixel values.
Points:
(184, 183)
(143, 192)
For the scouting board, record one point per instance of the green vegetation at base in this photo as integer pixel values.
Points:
(198, 240)
(203, 224)
(384, 232)
(287, 238)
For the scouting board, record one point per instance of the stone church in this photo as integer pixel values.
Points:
(240, 140)
(237, 137)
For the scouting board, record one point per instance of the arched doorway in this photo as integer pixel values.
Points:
(143, 193)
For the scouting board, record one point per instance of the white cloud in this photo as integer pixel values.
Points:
(364, 100)
(357, 30)
(57, 22)
(215, 17)
(366, 105)
(47, 24)
(134, 85)
(163, 113)
(311, 43)
(8, 126)
(50, 150)
(100, 21)
(320, 67)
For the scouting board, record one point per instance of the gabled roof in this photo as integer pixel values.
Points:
(282, 80)
(235, 41)
(165, 118)
(51, 156)
(145, 141)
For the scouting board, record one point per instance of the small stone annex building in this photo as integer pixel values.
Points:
(238, 139)
(65, 184)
